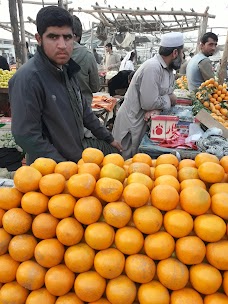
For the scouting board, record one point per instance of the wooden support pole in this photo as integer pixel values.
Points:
(202, 29)
(222, 74)
(15, 31)
(23, 45)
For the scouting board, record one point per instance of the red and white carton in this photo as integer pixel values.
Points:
(163, 127)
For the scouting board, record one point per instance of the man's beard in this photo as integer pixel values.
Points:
(176, 63)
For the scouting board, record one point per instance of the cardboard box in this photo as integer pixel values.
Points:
(163, 127)
(206, 119)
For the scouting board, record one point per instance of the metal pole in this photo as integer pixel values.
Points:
(23, 46)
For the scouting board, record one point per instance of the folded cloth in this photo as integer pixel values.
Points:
(103, 102)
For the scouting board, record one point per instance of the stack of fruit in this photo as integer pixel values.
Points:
(5, 76)
(107, 231)
(181, 83)
(215, 98)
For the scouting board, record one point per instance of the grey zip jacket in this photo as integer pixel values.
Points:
(88, 75)
(48, 111)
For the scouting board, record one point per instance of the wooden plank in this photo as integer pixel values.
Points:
(223, 67)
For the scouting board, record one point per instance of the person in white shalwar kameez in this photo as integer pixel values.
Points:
(150, 91)
(127, 63)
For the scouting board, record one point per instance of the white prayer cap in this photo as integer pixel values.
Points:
(173, 39)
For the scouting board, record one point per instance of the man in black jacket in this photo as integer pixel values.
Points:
(48, 110)
(4, 64)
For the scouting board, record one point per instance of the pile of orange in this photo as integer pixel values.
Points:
(182, 83)
(107, 231)
(214, 97)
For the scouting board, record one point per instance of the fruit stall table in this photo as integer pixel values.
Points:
(4, 102)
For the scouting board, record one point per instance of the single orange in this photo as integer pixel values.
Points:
(142, 158)
(40, 296)
(186, 296)
(109, 263)
(89, 286)
(192, 183)
(186, 163)
(8, 268)
(139, 167)
(92, 155)
(167, 159)
(121, 290)
(129, 240)
(167, 180)
(217, 254)
(34, 202)
(136, 195)
(2, 212)
(30, 275)
(147, 219)
(66, 168)
(88, 210)
(21, 247)
(44, 165)
(100, 301)
(210, 172)
(5, 238)
(117, 214)
(172, 273)
(115, 159)
(99, 235)
(69, 231)
(49, 253)
(79, 258)
(219, 205)
(225, 282)
(81, 185)
(165, 169)
(52, 184)
(178, 223)
(216, 298)
(69, 298)
(10, 198)
(109, 189)
(90, 168)
(205, 157)
(209, 227)
(224, 163)
(13, 293)
(190, 250)
(59, 280)
(16, 221)
(140, 268)
(159, 245)
(153, 293)
(195, 200)
(205, 278)
(218, 188)
(187, 173)
(61, 205)
(27, 179)
(44, 226)
(141, 178)
(164, 197)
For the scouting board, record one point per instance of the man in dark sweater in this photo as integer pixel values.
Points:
(48, 110)
(4, 64)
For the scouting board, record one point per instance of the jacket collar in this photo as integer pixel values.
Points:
(161, 60)
(71, 66)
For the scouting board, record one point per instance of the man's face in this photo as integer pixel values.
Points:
(108, 49)
(57, 43)
(209, 47)
(177, 61)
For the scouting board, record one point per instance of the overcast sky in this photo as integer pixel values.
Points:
(218, 8)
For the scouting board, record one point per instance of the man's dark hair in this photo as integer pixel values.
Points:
(132, 56)
(208, 35)
(109, 45)
(52, 16)
(27, 46)
(77, 26)
(166, 51)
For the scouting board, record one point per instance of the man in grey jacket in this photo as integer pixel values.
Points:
(48, 109)
(88, 75)
(199, 68)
